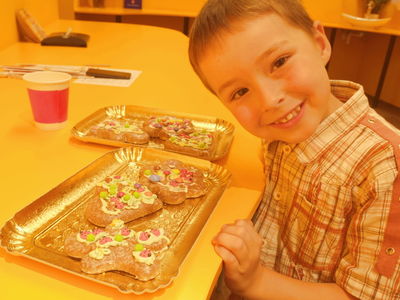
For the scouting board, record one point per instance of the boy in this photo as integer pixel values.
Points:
(327, 226)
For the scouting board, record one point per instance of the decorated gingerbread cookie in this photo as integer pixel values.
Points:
(173, 181)
(120, 130)
(165, 126)
(118, 197)
(118, 248)
(197, 143)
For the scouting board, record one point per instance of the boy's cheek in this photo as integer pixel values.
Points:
(243, 114)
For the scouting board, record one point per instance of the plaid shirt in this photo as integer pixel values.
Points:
(331, 207)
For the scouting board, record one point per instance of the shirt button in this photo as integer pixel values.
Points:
(277, 195)
(390, 251)
(286, 149)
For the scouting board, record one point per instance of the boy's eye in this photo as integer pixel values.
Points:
(239, 93)
(280, 62)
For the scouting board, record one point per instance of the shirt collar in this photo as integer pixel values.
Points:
(336, 124)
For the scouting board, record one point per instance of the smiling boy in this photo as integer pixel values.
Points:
(327, 226)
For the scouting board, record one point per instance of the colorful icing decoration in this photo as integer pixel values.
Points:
(171, 124)
(120, 195)
(151, 236)
(104, 239)
(118, 126)
(199, 139)
(174, 179)
(145, 256)
(90, 236)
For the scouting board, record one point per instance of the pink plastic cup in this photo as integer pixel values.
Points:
(48, 94)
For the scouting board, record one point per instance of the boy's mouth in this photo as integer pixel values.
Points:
(290, 117)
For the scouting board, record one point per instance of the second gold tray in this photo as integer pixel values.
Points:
(221, 130)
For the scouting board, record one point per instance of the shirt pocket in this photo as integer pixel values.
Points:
(314, 237)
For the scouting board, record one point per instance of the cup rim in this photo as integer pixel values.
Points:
(52, 77)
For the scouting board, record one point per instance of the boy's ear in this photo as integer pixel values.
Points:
(322, 41)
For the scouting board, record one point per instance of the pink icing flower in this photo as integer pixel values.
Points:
(119, 205)
(140, 189)
(105, 240)
(84, 234)
(144, 236)
(145, 253)
(120, 194)
(156, 232)
(173, 183)
(125, 231)
(117, 177)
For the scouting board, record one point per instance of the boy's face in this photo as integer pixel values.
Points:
(271, 75)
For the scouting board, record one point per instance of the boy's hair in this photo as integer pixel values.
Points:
(217, 16)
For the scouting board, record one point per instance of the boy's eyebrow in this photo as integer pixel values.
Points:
(225, 85)
(271, 50)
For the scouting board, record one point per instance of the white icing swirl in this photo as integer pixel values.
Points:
(99, 253)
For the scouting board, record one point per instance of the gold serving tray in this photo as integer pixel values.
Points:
(222, 130)
(38, 230)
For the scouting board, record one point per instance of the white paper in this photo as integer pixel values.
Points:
(78, 73)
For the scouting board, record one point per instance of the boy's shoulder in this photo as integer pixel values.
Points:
(382, 129)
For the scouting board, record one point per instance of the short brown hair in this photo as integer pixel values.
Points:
(217, 16)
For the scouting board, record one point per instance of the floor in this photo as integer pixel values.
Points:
(390, 112)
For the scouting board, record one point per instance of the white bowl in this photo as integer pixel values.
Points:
(364, 21)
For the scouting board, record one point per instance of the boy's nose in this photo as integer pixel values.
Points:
(270, 93)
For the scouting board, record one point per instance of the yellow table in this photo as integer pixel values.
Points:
(34, 161)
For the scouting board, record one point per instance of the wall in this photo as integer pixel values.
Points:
(9, 33)
(358, 56)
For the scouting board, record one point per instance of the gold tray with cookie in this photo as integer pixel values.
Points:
(127, 125)
(48, 229)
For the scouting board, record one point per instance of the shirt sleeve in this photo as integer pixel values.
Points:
(369, 267)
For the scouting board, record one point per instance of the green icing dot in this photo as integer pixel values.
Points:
(139, 247)
(118, 238)
(113, 189)
(103, 195)
(126, 125)
(90, 237)
(147, 172)
(126, 197)
(136, 194)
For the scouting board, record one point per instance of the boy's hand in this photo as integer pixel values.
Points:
(239, 247)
